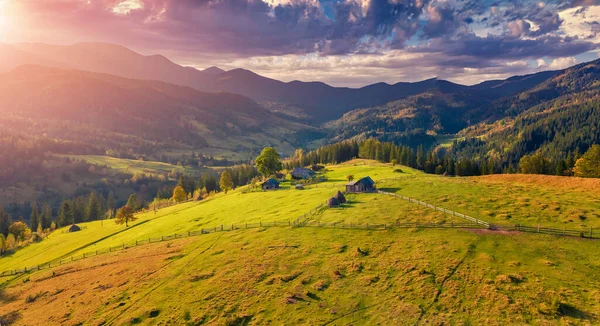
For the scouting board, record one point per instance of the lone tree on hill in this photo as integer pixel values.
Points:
(350, 177)
(179, 194)
(125, 215)
(588, 166)
(226, 183)
(268, 162)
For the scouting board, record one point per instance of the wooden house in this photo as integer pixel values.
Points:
(270, 184)
(303, 173)
(365, 184)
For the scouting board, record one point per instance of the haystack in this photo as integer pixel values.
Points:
(74, 228)
(333, 202)
(340, 197)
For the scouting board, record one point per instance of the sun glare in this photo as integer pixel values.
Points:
(3, 19)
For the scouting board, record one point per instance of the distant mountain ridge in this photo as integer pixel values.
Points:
(319, 102)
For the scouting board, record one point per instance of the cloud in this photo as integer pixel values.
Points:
(562, 63)
(457, 39)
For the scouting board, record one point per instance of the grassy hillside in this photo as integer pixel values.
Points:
(127, 166)
(235, 207)
(318, 276)
(312, 275)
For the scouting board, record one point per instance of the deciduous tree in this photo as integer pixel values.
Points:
(125, 215)
(179, 194)
(588, 166)
(226, 183)
(268, 162)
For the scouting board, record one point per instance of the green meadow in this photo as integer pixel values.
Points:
(132, 167)
(312, 275)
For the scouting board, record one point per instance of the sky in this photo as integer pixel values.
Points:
(341, 42)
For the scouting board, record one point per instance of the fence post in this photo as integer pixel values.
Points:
(188, 233)
(162, 238)
(123, 247)
(221, 227)
(591, 234)
(384, 227)
(538, 228)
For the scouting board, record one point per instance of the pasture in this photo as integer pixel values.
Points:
(315, 275)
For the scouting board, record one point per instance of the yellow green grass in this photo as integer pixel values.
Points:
(128, 166)
(510, 199)
(233, 208)
(316, 276)
(373, 208)
(311, 275)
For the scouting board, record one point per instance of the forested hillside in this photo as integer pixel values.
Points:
(132, 117)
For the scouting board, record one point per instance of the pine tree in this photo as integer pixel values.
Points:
(34, 220)
(65, 214)
(132, 202)
(2, 244)
(78, 209)
(46, 219)
(93, 211)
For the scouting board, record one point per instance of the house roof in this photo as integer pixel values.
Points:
(271, 182)
(303, 170)
(362, 180)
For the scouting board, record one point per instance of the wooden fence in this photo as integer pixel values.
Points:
(553, 231)
(300, 222)
(440, 209)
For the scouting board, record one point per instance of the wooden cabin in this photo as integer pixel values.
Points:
(365, 184)
(303, 173)
(270, 184)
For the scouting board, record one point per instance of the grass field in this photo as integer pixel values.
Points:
(510, 199)
(127, 166)
(311, 275)
(322, 276)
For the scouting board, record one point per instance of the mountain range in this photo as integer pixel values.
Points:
(318, 102)
(153, 99)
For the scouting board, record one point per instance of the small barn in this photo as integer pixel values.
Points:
(303, 173)
(74, 228)
(365, 184)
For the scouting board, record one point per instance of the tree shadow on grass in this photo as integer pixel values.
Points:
(390, 189)
(351, 203)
